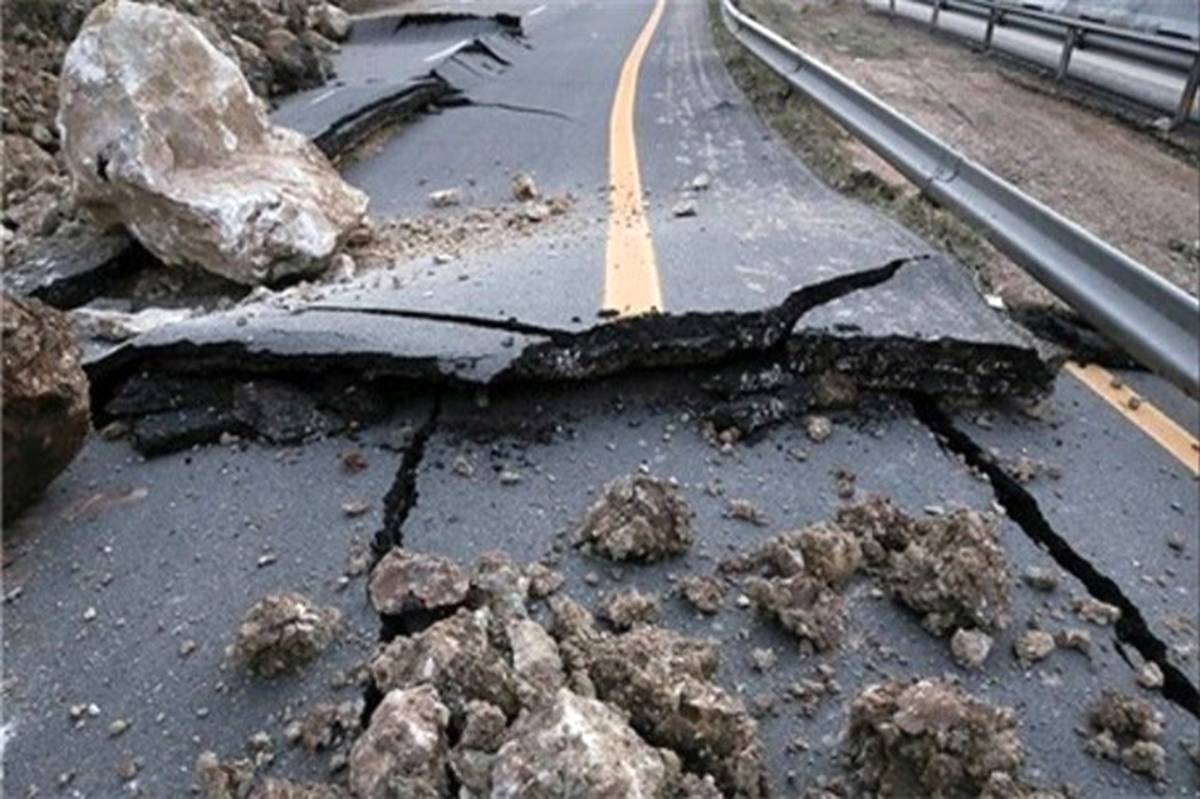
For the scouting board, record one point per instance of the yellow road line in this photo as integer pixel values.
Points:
(1149, 419)
(631, 284)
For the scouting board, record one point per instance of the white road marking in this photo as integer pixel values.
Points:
(451, 50)
(320, 98)
(537, 11)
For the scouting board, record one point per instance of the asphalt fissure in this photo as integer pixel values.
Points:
(1021, 506)
(401, 497)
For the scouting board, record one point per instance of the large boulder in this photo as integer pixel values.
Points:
(46, 415)
(162, 133)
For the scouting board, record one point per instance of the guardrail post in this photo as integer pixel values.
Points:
(937, 7)
(891, 8)
(993, 18)
(1068, 47)
(1188, 100)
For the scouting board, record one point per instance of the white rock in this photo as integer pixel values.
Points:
(162, 133)
(330, 21)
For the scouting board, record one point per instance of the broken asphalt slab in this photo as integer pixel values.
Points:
(376, 334)
(169, 551)
(519, 478)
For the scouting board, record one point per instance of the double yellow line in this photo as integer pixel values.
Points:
(631, 284)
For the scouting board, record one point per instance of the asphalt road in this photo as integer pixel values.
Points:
(624, 105)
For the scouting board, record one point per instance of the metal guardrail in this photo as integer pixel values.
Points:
(1075, 32)
(1155, 321)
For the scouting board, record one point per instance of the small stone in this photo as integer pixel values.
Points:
(186, 648)
(818, 428)
(445, 198)
(1096, 612)
(1034, 645)
(1150, 676)
(355, 507)
(118, 727)
(536, 212)
(90, 614)
(684, 208)
(705, 594)
(763, 659)
(462, 467)
(1176, 541)
(970, 647)
(627, 609)
(509, 478)
(442, 258)
(267, 560)
(701, 182)
(524, 188)
(1075, 638)
(1134, 402)
(1040, 578)
(746, 511)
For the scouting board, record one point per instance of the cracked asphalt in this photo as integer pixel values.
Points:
(491, 399)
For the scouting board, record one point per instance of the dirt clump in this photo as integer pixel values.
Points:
(524, 188)
(953, 572)
(970, 648)
(1034, 645)
(640, 518)
(543, 581)
(1127, 730)
(627, 609)
(705, 593)
(406, 581)
(404, 750)
(803, 605)
(929, 737)
(1095, 611)
(282, 632)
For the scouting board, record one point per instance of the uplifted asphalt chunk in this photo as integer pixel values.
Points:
(926, 329)
(639, 517)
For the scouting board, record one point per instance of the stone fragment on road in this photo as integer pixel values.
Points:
(746, 511)
(1034, 645)
(1150, 676)
(330, 21)
(818, 428)
(189, 162)
(970, 647)
(684, 209)
(704, 593)
(524, 188)
(46, 414)
(1095, 611)
(640, 518)
(405, 581)
(283, 632)
(403, 752)
(581, 748)
(445, 198)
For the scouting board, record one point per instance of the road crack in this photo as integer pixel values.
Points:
(1022, 507)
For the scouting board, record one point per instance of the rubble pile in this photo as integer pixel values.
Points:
(1128, 730)
(486, 701)
(948, 568)
(46, 404)
(930, 738)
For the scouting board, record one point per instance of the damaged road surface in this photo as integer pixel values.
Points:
(761, 499)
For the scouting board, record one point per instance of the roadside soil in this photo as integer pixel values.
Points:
(1132, 188)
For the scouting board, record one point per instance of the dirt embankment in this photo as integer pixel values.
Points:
(1132, 187)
